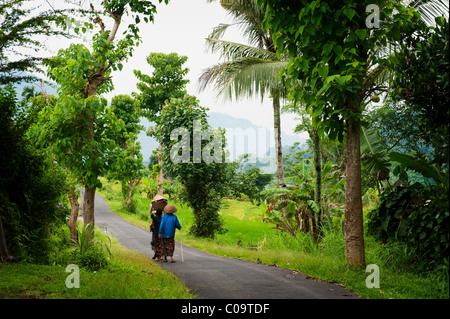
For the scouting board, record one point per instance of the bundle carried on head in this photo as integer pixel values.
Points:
(159, 202)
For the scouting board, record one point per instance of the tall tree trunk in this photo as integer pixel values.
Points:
(353, 221)
(88, 206)
(160, 175)
(4, 252)
(317, 176)
(74, 210)
(277, 134)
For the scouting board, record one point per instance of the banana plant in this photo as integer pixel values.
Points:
(374, 156)
(298, 200)
(378, 161)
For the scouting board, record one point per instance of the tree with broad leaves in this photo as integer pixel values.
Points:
(166, 82)
(80, 116)
(204, 179)
(128, 165)
(332, 47)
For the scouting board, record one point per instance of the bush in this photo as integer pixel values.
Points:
(417, 216)
(92, 259)
(32, 187)
(89, 253)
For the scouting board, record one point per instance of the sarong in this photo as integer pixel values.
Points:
(167, 246)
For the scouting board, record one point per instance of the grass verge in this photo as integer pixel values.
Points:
(129, 275)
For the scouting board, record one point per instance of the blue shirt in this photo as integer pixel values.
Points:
(168, 224)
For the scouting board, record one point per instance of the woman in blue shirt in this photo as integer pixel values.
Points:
(167, 232)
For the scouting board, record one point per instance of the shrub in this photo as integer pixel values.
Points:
(89, 253)
(417, 216)
(32, 186)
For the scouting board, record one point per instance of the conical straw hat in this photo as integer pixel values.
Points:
(157, 197)
(170, 209)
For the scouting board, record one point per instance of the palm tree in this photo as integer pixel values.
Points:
(248, 69)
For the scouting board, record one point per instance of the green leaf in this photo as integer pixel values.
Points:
(349, 13)
(361, 33)
(120, 66)
(327, 48)
(420, 166)
(323, 71)
(337, 49)
(340, 80)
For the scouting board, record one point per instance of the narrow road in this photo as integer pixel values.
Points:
(213, 277)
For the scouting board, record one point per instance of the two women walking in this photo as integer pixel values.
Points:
(163, 241)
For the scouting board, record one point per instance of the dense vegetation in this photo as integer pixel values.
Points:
(371, 185)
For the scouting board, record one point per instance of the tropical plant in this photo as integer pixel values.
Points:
(249, 183)
(248, 69)
(296, 216)
(149, 186)
(374, 156)
(32, 187)
(417, 215)
(89, 252)
(421, 83)
(301, 206)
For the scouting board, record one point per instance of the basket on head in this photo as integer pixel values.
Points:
(159, 202)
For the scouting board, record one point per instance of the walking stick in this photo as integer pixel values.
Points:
(181, 243)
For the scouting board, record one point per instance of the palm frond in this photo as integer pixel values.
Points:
(219, 31)
(430, 9)
(232, 50)
(249, 16)
(244, 77)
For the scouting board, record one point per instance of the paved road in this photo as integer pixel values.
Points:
(213, 277)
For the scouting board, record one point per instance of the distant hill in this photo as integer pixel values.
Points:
(242, 137)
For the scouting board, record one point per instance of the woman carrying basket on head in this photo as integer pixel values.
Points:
(156, 209)
(167, 232)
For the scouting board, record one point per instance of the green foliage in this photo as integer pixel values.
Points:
(249, 183)
(204, 181)
(422, 83)
(66, 128)
(397, 127)
(330, 49)
(166, 82)
(81, 131)
(248, 69)
(32, 187)
(126, 108)
(89, 253)
(174, 190)
(21, 24)
(127, 167)
(418, 216)
(298, 199)
(374, 156)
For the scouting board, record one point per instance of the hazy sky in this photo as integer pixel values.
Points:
(181, 27)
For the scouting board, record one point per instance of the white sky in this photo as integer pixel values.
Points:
(181, 27)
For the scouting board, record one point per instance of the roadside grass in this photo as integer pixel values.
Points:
(251, 239)
(129, 275)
